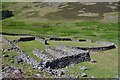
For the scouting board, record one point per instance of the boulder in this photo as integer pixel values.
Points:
(18, 60)
(5, 55)
(17, 74)
(92, 77)
(38, 75)
(93, 61)
(83, 68)
(83, 75)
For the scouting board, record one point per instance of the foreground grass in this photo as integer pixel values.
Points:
(27, 69)
(105, 67)
(29, 46)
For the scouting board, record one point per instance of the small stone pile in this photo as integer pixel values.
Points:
(10, 72)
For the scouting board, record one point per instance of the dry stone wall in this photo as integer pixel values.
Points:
(42, 55)
(40, 40)
(24, 39)
(100, 48)
(56, 58)
(23, 55)
(12, 34)
(60, 39)
(106, 46)
(66, 58)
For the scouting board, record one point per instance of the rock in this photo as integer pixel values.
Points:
(18, 60)
(61, 72)
(6, 14)
(84, 75)
(40, 68)
(17, 74)
(7, 69)
(5, 55)
(92, 77)
(73, 65)
(4, 68)
(46, 43)
(93, 61)
(54, 72)
(38, 75)
(83, 68)
(76, 76)
(12, 61)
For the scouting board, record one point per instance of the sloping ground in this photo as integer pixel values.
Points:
(87, 30)
(62, 11)
(105, 67)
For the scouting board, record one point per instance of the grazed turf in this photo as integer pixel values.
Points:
(105, 67)
(87, 30)
(70, 43)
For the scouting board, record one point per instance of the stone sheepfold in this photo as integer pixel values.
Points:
(57, 58)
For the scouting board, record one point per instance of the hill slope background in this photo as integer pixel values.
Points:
(100, 11)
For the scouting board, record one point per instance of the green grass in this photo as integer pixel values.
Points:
(28, 47)
(105, 67)
(27, 69)
(11, 38)
(70, 43)
(33, 24)
(89, 30)
(4, 46)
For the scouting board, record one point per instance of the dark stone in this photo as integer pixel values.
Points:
(24, 39)
(83, 68)
(18, 59)
(46, 43)
(5, 55)
(93, 61)
(7, 14)
(61, 39)
(38, 75)
(82, 40)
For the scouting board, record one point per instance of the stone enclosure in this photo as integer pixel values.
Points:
(59, 57)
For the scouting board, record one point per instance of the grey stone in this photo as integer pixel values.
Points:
(38, 75)
(93, 61)
(92, 77)
(83, 68)
(83, 75)
(18, 59)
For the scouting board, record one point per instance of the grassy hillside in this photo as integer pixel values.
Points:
(89, 30)
(94, 21)
(63, 11)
